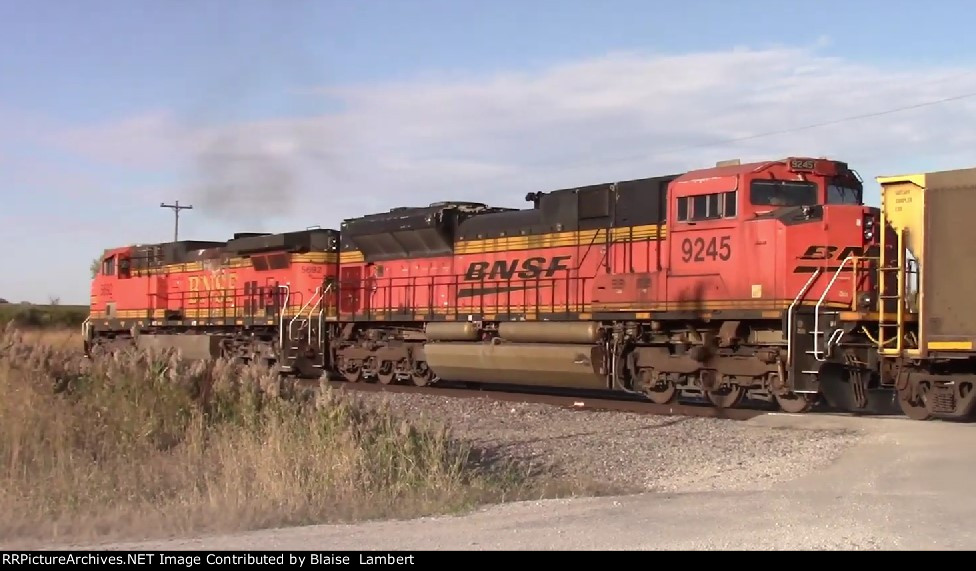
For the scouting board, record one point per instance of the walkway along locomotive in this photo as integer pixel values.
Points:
(770, 280)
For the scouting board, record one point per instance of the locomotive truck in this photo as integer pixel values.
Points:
(769, 280)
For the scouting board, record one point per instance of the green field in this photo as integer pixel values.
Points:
(29, 315)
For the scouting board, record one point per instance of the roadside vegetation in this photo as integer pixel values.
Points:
(53, 315)
(144, 444)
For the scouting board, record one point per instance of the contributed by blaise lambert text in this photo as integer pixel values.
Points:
(182, 560)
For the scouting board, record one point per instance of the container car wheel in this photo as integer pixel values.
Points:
(913, 406)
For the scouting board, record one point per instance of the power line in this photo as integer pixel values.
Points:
(176, 211)
(788, 130)
(838, 121)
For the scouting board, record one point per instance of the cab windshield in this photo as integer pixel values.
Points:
(840, 193)
(783, 193)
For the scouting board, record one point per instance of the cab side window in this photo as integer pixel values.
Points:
(108, 266)
(124, 268)
(714, 206)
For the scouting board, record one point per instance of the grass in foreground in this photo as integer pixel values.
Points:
(145, 444)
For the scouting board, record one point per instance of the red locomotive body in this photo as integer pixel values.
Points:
(257, 285)
(749, 236)
(733, 252)
(399, 263)
(741, 237)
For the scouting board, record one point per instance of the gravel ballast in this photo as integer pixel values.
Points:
(628, 452)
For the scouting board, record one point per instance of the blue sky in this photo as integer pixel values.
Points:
(282, 115)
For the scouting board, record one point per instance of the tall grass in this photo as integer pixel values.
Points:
(144, 443)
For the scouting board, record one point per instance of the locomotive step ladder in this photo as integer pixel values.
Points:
(304, 331)
(824, 342)
(791, 313)
(825, 335)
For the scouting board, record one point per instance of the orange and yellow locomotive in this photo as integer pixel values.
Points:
(248, 297)
(769, 280)
(665, 285)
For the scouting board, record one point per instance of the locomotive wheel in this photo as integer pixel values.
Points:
(657, 391)
(663, 394)
(914, 408)
(422, 375)
(795, 403)
(353, 371)
(726, 397)
(386, 374)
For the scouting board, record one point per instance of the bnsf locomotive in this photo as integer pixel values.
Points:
(769, 280)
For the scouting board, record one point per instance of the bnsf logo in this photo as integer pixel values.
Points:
(526, 269)
(830, 252)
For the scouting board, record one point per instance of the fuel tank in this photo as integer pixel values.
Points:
(463, 331)
(538, 364)
(549, 332)
(191, 347)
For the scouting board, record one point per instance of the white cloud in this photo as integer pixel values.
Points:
(494, 138)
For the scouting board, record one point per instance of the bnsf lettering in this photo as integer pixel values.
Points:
(830, 252)
(210, 289)
(210, 283)
(527, 269)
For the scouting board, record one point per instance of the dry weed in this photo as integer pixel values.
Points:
(68, 339)
(143, 443)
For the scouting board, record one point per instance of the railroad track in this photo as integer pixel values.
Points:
(575, 401)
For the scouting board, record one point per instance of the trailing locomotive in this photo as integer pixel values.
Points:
(248, 297)
(769, 280)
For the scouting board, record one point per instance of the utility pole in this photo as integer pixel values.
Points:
(176, 210)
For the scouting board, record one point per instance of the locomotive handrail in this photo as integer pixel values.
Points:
(817, 353)
(321, 305)
(317, 297)
(835, 338)
(362, 297)
(299, 313)
(789, 315)
(281, 316)
(86, 328)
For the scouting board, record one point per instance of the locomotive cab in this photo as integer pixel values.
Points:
(753, 234)
(114, 265)
(823, 231)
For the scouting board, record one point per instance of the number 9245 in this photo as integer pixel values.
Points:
(702, 249)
